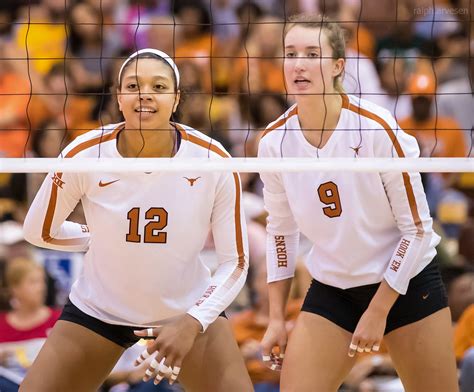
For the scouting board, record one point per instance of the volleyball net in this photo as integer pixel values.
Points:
(59, 61)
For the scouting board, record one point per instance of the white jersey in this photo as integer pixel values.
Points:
(144, 234)
(363, 226)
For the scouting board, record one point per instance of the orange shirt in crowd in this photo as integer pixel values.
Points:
(464, 333)
(246, 329)
(75, 111)
(363, 42)
(441, 138)
(199, 51)
(266, 75)
(14, 97)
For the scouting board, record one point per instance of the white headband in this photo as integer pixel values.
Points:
(156, 52)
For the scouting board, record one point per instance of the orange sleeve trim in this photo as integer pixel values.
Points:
(281, 121)
(90, 143)
(181, 130)
(406, 178)
(237, 211)
(48, 220)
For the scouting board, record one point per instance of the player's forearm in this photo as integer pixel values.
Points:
(383, 299)
(225, 285)
(278, 297)
(45, 224)
(66, 236)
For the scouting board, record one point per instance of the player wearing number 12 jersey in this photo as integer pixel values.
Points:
(372, 235)
(142, 241)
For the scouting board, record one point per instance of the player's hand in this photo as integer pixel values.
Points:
(136, 374)
(368, 333)
(275, 337)
(173, 342)
(251, 349)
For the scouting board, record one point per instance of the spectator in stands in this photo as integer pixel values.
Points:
(447, 38)
(455, 99)
(41, 34)
(464, 348)
(393, 72)
(14, 97)
(92, 49)
(197, 44)
(25, 327)
(137, 16)
(438, 136)
(164, 33)
(459, 282)
(263, 69)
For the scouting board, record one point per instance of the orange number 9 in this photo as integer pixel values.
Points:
(329, 195)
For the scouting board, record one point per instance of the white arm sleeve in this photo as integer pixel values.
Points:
(230, 238)
(410, 210)
(45, 224)
(282, 230)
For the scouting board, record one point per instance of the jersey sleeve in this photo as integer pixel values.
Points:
(282, 230)
(230, 238)
(409, 207)
(45, 224)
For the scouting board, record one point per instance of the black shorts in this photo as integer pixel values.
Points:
(425, 295)
(120, 334)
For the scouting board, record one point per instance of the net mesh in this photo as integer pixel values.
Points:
(60, 59)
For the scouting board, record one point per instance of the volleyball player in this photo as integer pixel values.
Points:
(142, 241)
(372, 235)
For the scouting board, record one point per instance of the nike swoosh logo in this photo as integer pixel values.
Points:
(425, 296)
(102, 184)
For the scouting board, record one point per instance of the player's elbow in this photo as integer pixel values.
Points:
(245, 266)
(31, 232)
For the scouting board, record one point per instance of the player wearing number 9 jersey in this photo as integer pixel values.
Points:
(142, 241)
(372, 235)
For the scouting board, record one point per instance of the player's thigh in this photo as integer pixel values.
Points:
(215, 363)
(316, 356)
(423, 353)
(73, 358)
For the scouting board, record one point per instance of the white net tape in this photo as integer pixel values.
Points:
(244, 165)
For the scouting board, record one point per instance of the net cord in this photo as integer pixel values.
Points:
(243, 165)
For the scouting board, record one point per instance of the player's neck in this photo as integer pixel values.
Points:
(318, 116)
(147, 143)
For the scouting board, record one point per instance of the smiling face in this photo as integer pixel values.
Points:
(147, 97)
(309, 64)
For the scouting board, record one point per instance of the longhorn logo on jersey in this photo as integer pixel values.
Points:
(192, 180)
(57, 181)
(356, 149)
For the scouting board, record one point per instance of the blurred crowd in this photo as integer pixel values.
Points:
(58, 60)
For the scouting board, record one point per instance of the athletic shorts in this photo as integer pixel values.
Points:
(425, 295)
(120, 334)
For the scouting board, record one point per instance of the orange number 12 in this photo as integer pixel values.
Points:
(153, 233)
